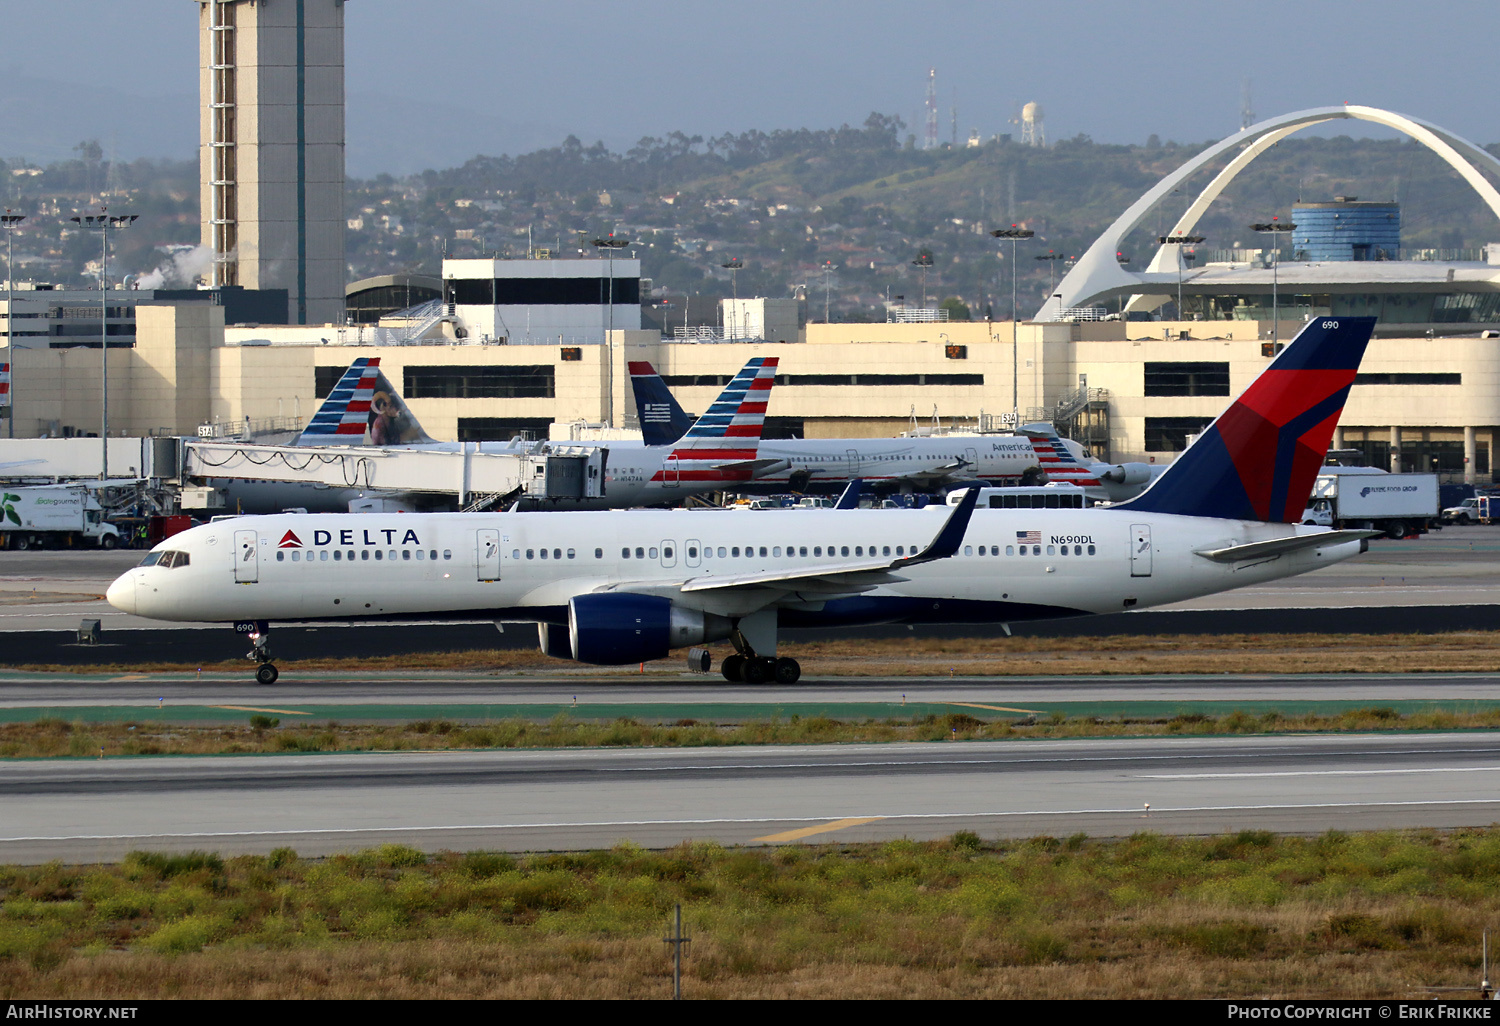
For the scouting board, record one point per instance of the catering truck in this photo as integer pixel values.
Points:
(53, 516)
(1361, 497)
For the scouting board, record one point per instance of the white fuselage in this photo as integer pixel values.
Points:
(522, 566)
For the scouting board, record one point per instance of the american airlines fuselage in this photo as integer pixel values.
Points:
(1012, 565)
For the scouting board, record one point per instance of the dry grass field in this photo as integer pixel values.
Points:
(1248, 915)
(1457, 651)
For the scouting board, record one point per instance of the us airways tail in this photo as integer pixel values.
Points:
(1259, 459)
(663, 420)
(364, 408)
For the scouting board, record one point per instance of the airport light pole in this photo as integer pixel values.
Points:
(104, 223)
(11, 222)
(1014, 234)
(609, 245)
(733, 265)
(924, 261)
(1276, 229)
(1179, 240)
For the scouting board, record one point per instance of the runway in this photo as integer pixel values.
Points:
(86, 811)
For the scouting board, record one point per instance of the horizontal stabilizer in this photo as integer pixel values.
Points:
(1281, 546)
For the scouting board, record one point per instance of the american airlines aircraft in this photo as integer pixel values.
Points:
(717, 451)
(828, 464)
(1113, 482)
(622, 587)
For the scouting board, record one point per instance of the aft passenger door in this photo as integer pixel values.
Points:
(1140, 550)
(246, 557)
(487, 553)
(670, 474)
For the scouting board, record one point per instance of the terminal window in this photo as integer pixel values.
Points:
(1170, 434)
(502, 382)
(1187, 379)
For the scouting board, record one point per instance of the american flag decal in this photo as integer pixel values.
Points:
(1029, 537)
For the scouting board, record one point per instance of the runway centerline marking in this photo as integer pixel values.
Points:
(797, 835)
(252, 708)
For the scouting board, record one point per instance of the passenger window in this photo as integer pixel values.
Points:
(1091, 550)
(652, 552)
(640, 553)
(557, 553)
(598, 553)
(323, 556)
(817, 550)
(515, 554)
(338, 553)
(1077, 550)
(1010, 550)
(625, 553)
(844, 551)
(692, 552)
(531, 553)
(544, 553)
(1036, 550)
(378, 554)
(393, 555)
(762, 551)
(421, 554)
(776, 551)
(885, 550)
(570, 554)
(968, 550)
(802, 551)
(734, 551)
(447, 553)
(721, 552)
(667, 552)
(900, 550)
(364, 554)
(432, 553)
(280, 556)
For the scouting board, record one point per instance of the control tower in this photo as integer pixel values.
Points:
(271, 155)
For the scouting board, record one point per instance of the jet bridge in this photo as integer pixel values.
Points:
(478, 480)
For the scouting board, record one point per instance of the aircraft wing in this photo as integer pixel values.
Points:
(856, 575)
(1281, 546)
(757, 468)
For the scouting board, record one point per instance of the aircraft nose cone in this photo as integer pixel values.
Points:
(121, 594)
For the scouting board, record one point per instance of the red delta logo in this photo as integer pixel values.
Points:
(290, 541)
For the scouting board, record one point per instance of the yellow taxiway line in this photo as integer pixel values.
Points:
(838, 824)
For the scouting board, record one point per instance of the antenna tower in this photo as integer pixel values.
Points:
(1247, 111)
(931, 141)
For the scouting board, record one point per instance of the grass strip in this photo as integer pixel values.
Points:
(260, 733)
(1372, 916)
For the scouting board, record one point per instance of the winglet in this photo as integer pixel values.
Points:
(950, 537)
(850, 498)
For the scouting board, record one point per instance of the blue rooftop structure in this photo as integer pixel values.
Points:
(1346, 229)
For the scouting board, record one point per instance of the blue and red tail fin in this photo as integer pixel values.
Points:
(1259, 459)
(5, 384)
(364, 408)
(723, 443)
(663, 421)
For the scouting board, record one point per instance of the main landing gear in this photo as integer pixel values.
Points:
(746, 666)
(260, 639)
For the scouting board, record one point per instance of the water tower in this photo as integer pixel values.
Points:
(1032, 132)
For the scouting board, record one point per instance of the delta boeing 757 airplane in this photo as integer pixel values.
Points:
(613, 588)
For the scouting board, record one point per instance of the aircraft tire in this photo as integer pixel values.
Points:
(787, 671)
(732, 668)
(757, 671)
(266, 674)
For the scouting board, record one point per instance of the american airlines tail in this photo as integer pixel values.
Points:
(1259, 459)
(1055, 459)
(364, 408)
(722, 445)
(663, 420)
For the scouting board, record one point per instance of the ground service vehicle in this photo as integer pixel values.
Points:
(1476, 509)
(54, 516)
(1397, 504)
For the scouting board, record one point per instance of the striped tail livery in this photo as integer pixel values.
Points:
(722, 445)
(364, 408)
(1056, 459)
(1259, 459)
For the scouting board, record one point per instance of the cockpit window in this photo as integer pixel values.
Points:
(152, 558)
(170, 559)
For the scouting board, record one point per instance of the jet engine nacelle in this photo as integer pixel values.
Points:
(618, 628)
(1128, 474)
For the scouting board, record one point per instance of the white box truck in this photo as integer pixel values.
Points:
(1397, 504)
(53, 516)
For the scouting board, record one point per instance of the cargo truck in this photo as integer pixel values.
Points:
(53, 516)
(1398, 504)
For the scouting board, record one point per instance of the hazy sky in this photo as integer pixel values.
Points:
(430, 84)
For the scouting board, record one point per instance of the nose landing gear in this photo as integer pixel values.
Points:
(260, 651)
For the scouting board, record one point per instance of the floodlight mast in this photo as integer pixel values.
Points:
(104, 223)
(1179, 240)
(609, 245)
(1276, 229)
(1014, 234)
